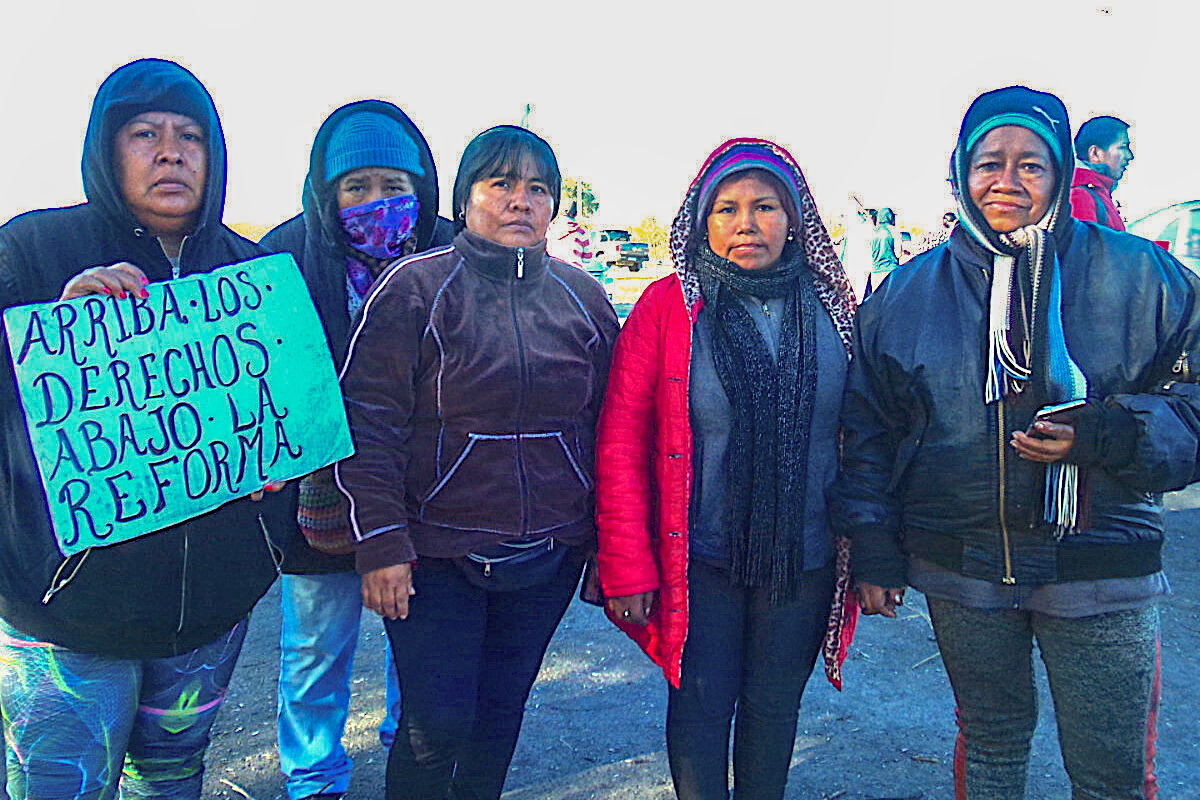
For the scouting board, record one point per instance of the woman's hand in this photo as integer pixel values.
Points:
(115, 280)
(386, 591)
(272, 486)
(879, 600)
(635, 608)
(1045, 441)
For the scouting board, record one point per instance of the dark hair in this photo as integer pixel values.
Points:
(500, 151)
(1100, 131)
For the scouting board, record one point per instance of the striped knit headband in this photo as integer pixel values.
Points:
(742, 158)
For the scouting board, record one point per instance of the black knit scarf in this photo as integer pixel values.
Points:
(772, 406)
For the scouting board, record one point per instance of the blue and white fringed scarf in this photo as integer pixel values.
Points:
(1027, 349)
(1041, 355)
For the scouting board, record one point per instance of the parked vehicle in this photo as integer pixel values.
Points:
(615, 247)
(1177, 227)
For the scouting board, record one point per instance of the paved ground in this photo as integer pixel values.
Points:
(594, 728)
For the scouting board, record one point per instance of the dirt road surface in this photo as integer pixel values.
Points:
(594, 726)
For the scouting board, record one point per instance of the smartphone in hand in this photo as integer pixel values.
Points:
(1058, 411)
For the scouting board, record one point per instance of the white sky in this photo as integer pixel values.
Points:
(867, 95)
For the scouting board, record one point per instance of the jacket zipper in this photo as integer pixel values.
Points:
(183, 592)
(1008, 571)
(521, 477)
(140, 233)
(176, 271)
(276, 554)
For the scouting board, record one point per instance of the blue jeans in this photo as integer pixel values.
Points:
(742, 653)
(76, 725)
(316, 655)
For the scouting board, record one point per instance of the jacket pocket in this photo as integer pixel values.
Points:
(511, 484)
(557, 470)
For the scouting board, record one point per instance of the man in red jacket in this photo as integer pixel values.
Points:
(1102, 153)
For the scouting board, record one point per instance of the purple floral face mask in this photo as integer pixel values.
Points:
(379, 229)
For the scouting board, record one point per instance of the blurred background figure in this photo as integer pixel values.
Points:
(1102, 154)
(885, 249)
(567, 240)
(936, 236)
(854, 248)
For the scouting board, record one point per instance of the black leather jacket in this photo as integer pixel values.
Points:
(928, 470)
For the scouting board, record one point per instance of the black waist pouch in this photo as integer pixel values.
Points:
(515, 564)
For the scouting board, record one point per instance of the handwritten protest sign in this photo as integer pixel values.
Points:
(146, 412)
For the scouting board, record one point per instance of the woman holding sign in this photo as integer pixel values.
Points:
(473, 381)
(116, 659)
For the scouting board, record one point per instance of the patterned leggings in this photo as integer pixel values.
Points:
(76, 725)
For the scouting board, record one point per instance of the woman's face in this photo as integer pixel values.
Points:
(360, 186)
(512, 210)
(161, 161)
(1011, 178)
(748, 223)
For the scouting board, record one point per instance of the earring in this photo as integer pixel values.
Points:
(791, 235)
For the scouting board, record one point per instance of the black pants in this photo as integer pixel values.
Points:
(467, 659)
(742, 651)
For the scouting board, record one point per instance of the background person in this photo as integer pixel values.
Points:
(370, 197)
(715, 550)
(123, 664)
(885, 249)
(473, 381)
(1019, 528)
(567, 240)
(1102, 153)
(854, 249)
(938, 236)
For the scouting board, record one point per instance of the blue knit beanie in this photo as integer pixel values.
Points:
(368, 139)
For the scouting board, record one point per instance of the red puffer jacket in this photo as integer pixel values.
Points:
(644, 437)
(644, 469)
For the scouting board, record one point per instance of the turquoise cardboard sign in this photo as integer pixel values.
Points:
(146, 412)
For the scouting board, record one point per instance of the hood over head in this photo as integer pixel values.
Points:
(1043, 114)
(371, 123)
(149, 84)
(832, 285)
(886, 216)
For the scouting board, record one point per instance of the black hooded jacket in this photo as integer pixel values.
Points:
(171, 591)
(928, 470)
(316, 240)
